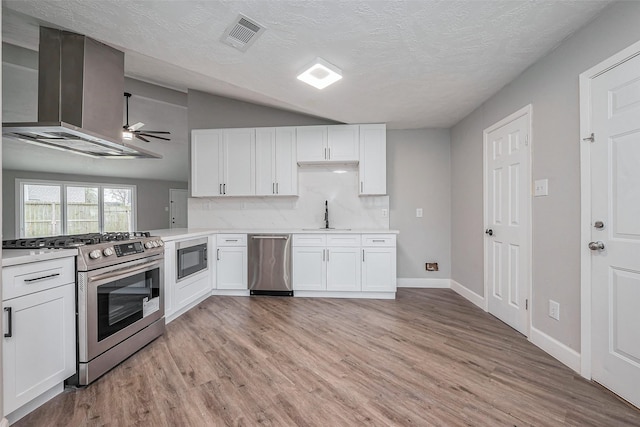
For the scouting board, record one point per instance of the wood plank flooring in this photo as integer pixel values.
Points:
(429, 358)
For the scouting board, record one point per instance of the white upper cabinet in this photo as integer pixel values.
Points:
(206, 153)
(319, 144)
(373, 159)
(222, 162)
(276, 169)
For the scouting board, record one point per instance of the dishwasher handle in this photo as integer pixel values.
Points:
(270, 237)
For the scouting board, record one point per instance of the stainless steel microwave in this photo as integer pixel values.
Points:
(191, 256)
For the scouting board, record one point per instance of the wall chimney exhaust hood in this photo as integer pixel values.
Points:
(80, 108)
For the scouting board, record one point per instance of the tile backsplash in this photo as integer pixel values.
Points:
(315, 185)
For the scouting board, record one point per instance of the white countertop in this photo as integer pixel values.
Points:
(170, 234)
(24, 256)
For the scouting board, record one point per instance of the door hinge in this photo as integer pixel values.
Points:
(526, 304)
(591, 138)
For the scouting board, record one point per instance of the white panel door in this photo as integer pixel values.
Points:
(615, 202)
(309, 269)
(343, 269)
(178, 208)
(239, 161)
(231, 268)
(286, 175)
(312, 143)
(265, 161)
(507, 207)
(206, 162)
(343, 143)
(373, 159)
(379, 269)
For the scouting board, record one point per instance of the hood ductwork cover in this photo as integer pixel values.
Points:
(80, 108)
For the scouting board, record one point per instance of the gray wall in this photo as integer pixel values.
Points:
(418, 176)
(551, 86)
(208, 111)
(153, 197)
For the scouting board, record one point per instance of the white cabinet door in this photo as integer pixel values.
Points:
(343, 269)
(265, 161)
(239, 162)
(232, 267)
(286, 175)
(379, 269)
(312, 143)
(309, 269)
(191, 289)
(343, 142)
(41, 351)
(373, 159)
(206, 162)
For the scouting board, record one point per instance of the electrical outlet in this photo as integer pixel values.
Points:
(541, 187)
(385, 213)
(419, 213)
(554, 309)
(431, 266)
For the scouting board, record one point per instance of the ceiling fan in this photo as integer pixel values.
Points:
(131, 131)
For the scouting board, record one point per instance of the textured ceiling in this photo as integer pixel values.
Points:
(411, 64)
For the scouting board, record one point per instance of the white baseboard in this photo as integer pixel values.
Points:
(555, 348)
(468, 294)
(325, 294)
(4, 423)
(422, 283)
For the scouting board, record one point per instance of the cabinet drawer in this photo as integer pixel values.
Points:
(378, 240)
(309, 240)
(343, 240)
(232, 240)
(25, 279)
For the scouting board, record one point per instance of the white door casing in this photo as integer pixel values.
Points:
(178, 208)
(507, 213)
(612, 260)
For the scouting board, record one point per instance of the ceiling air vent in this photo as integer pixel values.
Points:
(242, 33)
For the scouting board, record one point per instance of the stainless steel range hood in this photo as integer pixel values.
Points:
(80, 99)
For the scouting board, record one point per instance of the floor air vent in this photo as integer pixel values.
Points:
(242, 33)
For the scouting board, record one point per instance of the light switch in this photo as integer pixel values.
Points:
(419, 213)
(541, 187)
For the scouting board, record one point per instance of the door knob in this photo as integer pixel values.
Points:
(596, 246)
(598, 224)
(489, 231)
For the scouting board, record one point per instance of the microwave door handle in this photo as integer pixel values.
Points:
(125, 272)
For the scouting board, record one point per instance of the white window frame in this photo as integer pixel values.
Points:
(20, 183)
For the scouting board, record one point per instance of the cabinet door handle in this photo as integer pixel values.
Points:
(329, 153)
(361, 187)
(35, 279)
(224, 188)
(378, 240)
(327, 255)
(277, 188)
(363, 255)
(324, 251)
(9, 323)
(220, 189)
(325, 153)
(218, 254)
(273, 188)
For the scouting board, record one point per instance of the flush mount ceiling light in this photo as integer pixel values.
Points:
(320, 74)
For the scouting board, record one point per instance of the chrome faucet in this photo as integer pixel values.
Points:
(326, 214)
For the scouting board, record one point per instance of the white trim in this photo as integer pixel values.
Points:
(360, 295)
(4, 423)
(422, 283)
(34, 404)
(526, 110)
(231, 292)
(468, 294)
(555, 348)
(585, 196)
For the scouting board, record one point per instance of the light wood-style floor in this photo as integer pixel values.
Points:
(428, 358)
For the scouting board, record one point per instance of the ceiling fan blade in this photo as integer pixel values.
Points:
(142, 138)
(154, 136)
(136, 126)
(156, 131)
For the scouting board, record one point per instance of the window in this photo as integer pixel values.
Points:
(55, 208)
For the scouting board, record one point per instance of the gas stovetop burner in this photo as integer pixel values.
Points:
(73, 241)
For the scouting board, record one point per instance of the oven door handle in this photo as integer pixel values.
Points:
(124, 272)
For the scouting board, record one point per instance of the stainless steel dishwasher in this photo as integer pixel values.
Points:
(270, 264)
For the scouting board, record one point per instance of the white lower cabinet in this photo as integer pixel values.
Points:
(326, 262)
(231, 261)
(379, 263)
(39, 344)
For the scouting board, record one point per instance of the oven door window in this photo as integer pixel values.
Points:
(125, 301)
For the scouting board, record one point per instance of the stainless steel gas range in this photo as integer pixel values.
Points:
(120, 296)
